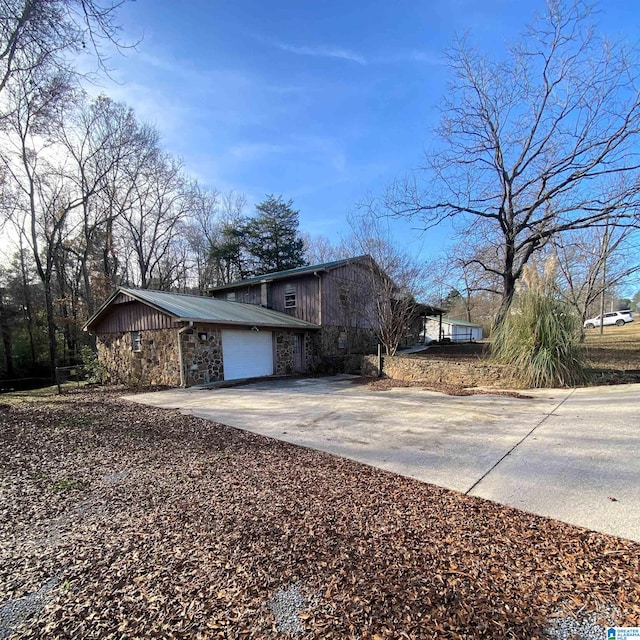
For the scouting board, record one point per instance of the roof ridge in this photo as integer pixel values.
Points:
(293, 271)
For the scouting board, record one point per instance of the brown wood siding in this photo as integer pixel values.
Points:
(129, 315)
(249, 294)
(355, 309)
(307, 298)
(121, 298)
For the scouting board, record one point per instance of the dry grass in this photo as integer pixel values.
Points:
(617, 348)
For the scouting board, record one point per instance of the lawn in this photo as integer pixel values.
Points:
(616, 348)
(613, 357)
(131, 522)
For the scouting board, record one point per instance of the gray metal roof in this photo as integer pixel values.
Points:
(185, 307)
(289, 273)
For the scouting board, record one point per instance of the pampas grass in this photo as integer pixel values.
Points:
(540, 338)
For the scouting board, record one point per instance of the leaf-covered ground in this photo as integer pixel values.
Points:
(146, 523)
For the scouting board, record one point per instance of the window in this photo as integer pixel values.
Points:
(231, 296)
(136, 341)
(290, 299)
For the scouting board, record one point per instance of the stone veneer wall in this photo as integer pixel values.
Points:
(332, 359)
(156, 364)
(158, 361)
(202, 355)
(285, 352)
(285, 347)
(467, 374)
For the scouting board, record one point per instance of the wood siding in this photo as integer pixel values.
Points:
(345, 300)
(131, 315)
(347, 297)
(307, 298)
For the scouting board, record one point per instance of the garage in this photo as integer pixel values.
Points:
(247, 354)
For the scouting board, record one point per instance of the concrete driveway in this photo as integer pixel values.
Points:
(568, 454)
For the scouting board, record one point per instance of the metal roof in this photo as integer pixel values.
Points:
(186, 307)
(460, 323)
(277, 275)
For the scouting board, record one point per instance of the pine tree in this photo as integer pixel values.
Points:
(272, 237)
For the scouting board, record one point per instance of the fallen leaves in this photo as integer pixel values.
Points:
(175, 527)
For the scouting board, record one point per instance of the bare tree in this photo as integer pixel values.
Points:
(319, 249)
(42, 196)
(152, 226)
(394, 281)
(43, 35)
(103, 141)
(541, 142)
(592, 261)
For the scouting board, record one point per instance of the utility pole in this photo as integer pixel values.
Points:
(605, 249)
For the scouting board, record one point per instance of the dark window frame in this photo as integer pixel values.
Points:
(290, 299)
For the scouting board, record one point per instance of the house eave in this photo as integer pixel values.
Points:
(261, 325)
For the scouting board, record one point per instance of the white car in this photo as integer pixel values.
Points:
(618, 318)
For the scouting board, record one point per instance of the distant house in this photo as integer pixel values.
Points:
(156, 337)
(448, 328)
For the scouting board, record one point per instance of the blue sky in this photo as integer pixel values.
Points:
(321, 102)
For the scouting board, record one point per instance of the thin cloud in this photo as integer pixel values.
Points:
(328, 51)
(321, 51)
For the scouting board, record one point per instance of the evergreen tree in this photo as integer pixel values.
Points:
(272, 237)
(228, 253)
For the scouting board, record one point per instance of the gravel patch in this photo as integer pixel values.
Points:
(116, 477)
(581, 626)
(286, 605)
(14, 612)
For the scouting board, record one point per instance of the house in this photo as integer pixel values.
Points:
(319, 318)
(156, 337)
(451, 329)
(341, 298)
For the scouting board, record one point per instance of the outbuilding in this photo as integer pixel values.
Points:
(451, 329)
(159, 338)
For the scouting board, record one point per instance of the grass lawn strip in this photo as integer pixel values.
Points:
(155, 524)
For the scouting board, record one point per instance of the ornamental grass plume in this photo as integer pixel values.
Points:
(540, 338)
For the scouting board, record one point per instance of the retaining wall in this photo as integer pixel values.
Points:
(434, 371)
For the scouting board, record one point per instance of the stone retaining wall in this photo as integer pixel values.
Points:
(434, 371)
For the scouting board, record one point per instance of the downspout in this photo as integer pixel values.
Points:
(180, 332)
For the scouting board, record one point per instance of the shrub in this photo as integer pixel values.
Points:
(540, 338)
(93, 369)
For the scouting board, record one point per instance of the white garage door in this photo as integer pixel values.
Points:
(247, 354)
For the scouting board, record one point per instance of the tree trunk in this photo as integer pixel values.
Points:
(5, 328)
(51, 328)
(507, 299)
